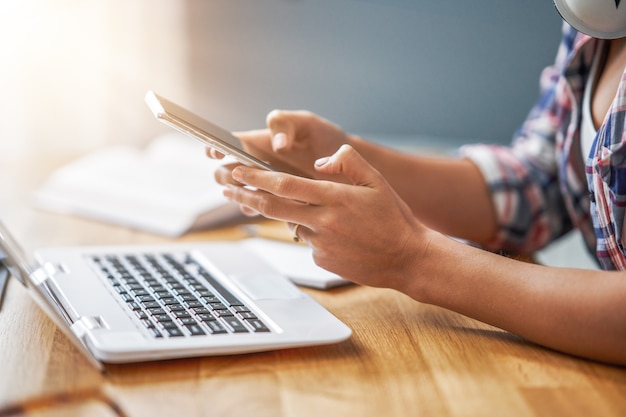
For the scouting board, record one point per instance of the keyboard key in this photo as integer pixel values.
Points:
(155, 311)
(235, 324)
(258, 326)
(150, 304)
(139, 291)
(206, 317)
(175, 332)
(162, 294)
(134, 306)
(223, 313)
(147, 323)
(161, 317)
(168, 324)
(187, 296)
(127, 297)
(195, 330)
(200, 310)
(146, 298)
(187, 321)
(193, 304)
(217, 306)
(155, 332)
(215, 327)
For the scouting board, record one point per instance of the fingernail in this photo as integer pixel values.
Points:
(279, 141)
(322, 161)
(228, 192)
(237, 174)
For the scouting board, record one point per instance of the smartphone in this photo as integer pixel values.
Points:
(202, 130)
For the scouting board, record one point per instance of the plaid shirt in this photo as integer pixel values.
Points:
(540, 185)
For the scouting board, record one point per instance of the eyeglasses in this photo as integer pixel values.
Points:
(89, 401)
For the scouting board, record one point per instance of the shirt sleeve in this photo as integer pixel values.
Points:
(522, 177)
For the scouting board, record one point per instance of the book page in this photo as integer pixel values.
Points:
(163, 189)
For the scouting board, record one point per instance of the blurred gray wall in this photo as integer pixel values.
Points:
(456, 68)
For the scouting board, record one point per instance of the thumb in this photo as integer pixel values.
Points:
(349, 163)
(282, 129)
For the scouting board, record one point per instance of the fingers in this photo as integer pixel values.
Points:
(282, 185)
(267, 204)
(349, 163)
(346, 161)
(282, 129)
(298, 232)
(283, 126)
(224, 174)
(279, 189)
(252, 140)
(248, 211)
(212, 153)
(292, 140)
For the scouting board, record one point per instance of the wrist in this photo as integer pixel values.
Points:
(418, 277)
(439, 270)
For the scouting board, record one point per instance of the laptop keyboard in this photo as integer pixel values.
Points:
(171, 298)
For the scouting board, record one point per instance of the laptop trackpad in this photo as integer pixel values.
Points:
(266, 286)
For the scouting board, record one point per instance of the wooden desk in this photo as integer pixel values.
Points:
(404, 358)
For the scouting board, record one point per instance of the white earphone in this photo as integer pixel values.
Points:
(605, 19)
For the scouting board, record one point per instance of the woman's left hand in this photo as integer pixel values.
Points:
(362, 230)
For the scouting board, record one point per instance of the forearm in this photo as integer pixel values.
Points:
(447, 194)
(574, 311)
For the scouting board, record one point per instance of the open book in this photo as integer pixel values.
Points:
(167, 188)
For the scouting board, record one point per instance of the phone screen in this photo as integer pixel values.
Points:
(202, 130)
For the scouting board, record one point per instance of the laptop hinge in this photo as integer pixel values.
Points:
(43, 273)
(42, 278)
(85, 324)
(75, 329)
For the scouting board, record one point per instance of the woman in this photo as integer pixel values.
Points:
(382, 218)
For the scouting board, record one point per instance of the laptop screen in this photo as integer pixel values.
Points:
(12, 256)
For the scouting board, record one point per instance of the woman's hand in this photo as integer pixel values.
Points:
(291, 143)
(294, 140)
(361, 231)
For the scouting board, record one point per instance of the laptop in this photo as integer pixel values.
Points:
(139, 303)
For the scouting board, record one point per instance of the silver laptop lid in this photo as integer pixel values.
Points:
(35, 277)
(13, 257)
